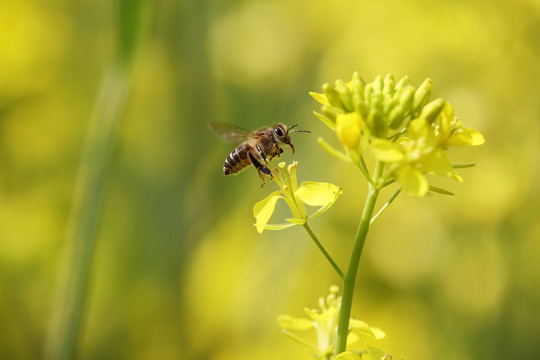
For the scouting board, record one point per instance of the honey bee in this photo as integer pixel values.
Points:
(257, 147)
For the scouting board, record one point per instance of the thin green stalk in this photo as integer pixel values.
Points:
(361, 166)
(350, 277)
(80, 239)
(392, 198)
(72, 293)
(323, 250)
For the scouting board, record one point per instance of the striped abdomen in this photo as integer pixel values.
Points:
(238, 159)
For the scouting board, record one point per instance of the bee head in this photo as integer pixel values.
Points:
(283, 133)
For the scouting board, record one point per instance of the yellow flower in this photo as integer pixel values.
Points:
(325, 321)
(409, 159)
(451, 132)
(349, 129)
(309, 193)
(423, 150)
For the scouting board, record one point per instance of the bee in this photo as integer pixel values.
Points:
(257, 147)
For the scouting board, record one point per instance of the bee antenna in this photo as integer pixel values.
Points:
(289, 130)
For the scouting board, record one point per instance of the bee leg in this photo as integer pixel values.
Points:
(261, 169)
(262, 154)
(278, 153)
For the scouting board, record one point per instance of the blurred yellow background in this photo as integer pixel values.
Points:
(178, 271)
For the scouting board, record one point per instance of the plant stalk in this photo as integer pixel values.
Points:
(350, 276)
(72, 292)
(323, 250)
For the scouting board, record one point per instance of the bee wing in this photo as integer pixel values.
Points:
(229, 132)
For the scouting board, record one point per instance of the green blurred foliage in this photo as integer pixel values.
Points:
(178, 271)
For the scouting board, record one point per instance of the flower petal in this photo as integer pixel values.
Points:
(314, 193)
(331, 124)
(364, 329)
(377, 354)
(321, 98)
(323, 317)
(348, 355)
(466, 137)
(289, 322)
(436, 162)
(263, 210)
(278, 226)
(295, 221)
(412, 181)
(386, 151)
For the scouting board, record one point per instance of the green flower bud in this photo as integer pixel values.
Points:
(368, 91)
(421, 97)
(375, 122)
(345, 94)
(389, 85)
(388, 104)
(403, 82)
(359, 104)
(377, 101)
(331, 112)
(396, 116)
(378, 84)
(358, 84)
(432, 110)
(332, 95)
(406, 97)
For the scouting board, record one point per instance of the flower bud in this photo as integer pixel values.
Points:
(378, 84)
(396, 117)
(406, 98)
(389, 85)
(421, 97)
(331, 112)
(376, 123)
(332, 95)
(377, 100)
(359, 104)
(432, 110)
(358, 84)
(349, 129)
(403, 82)
(345, 94)
(368, 92)
(389, 104)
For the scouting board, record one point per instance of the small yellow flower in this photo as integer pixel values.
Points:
(451, 132)
(349, 129)
(325, 321)
(309, 193)
(423, 150)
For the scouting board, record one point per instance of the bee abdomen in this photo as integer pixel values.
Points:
(237, 160)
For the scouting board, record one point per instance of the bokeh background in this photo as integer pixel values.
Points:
(177, 270)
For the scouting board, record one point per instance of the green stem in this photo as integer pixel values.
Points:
(323, 250)
(72, 293)
(350, 277)
(392, 198)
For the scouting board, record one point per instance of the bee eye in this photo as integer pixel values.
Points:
(278, 132)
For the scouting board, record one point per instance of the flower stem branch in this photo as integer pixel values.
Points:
(392, 198)
(323, 250)
(350, 277)
(361, 165)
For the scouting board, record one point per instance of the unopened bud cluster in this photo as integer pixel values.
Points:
(399, 123)
(383, 105)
